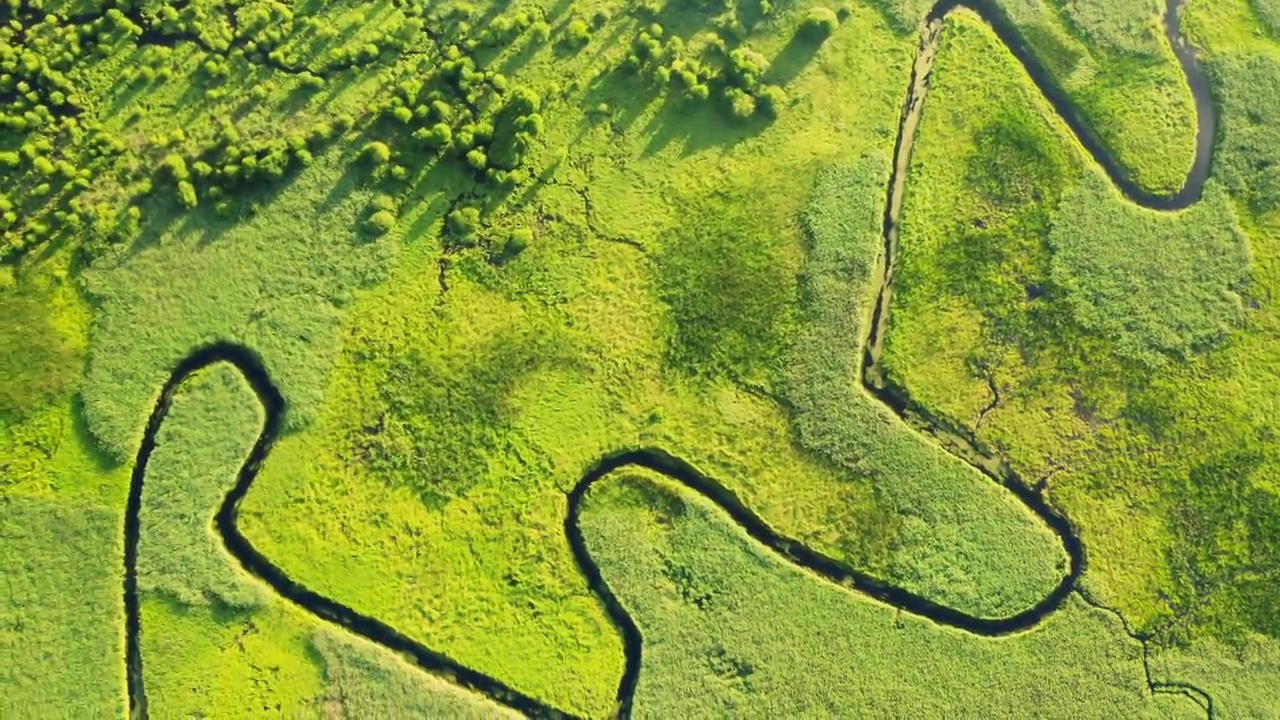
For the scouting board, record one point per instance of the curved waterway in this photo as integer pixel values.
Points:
(955, 439)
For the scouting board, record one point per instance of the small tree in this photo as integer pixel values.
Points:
(462, 225)
(741, 104)
(376, 152)
(769, 100)
(517, 241)
(381, 222)
(187, 194)
(577, 34)
(819, 24)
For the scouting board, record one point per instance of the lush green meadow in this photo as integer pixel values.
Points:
(1113, 60)
(709, 600)
(61, 632)
(211, 637)
(1124, 360)
(478, 246)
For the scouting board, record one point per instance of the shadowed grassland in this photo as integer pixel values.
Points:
(731, 629)
(61, 635)
(45, 448)
(211, 638)
(1124, 360)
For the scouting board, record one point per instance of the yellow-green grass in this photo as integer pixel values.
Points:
(729, 628)
(61, 626)
(278, 281)
(430, 490)
(1161, 458)
(215, 642)
(1112, 59)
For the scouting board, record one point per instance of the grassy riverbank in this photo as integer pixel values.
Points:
(478, 246)
(1123, 359)
(708, 600)
(1113, 60)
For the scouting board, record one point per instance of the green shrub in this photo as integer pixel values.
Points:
(819, 23)
(381, 222)
(463, 224)
(187, 195)
(577, 33)
(377, 152)
(517, 241)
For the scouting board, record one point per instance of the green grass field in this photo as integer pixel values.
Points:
(708, 602)
(480, 246)
(1123, 359)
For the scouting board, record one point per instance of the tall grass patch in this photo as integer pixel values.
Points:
(955, 533)
(1158, 286)
(729, 628)
(61, 625)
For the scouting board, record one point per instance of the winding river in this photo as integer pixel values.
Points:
(955, 439)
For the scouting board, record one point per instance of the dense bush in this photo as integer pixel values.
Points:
(819, 23)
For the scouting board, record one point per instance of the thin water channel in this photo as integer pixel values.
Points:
(956, 440)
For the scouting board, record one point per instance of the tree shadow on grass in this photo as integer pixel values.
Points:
(698, 127)
(103, 461)
(626, 94)
(792, 60)
(434, 194)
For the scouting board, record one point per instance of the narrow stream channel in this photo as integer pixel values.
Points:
(955, 439)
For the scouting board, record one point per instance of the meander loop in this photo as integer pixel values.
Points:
(256, 564)
(251, 367)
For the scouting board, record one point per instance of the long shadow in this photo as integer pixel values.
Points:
(250, 365)
(792, 59)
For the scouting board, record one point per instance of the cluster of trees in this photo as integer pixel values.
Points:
(736, 82)
(235, 162)
(47, 150)
(458, 110)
